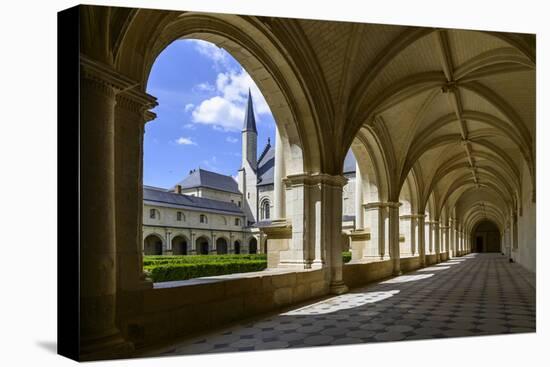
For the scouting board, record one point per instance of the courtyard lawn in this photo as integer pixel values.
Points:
(167, 268)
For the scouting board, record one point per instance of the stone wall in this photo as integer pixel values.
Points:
(410, 264)
(431, 259)
(190, 307)
(356, 275)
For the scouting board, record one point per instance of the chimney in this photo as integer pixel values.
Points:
(178, 189)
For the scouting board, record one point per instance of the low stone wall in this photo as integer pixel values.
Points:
(431, 259)
(359, 274)
(183, 310)
(444, 256)
(409, 264)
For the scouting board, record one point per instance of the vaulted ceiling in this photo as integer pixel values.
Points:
(451, 111)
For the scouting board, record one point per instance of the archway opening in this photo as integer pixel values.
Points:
(221, 246)
(237, 247)
(202, 246)
(253, 246)
(179, 245)
(152, 245)
(486, 237)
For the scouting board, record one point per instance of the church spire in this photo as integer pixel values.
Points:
(249, 119)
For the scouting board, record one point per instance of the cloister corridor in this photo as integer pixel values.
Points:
(477, 294)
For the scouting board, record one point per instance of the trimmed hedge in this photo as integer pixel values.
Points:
(166, 268)
(346, 256)
(182, 271)
(193, 259)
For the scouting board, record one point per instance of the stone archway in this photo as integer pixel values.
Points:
(237, 247)
(179, 245)
(221, 246)
(253, 246)
(152, 245)
(486, 237)
(203, 245)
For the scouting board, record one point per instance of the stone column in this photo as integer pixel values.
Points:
(100, 338)
(278, 185)
(214, 250)
(436, 241)
(359, 224)
(193, 244)
(445, 236)
(377, 214)
(421, 240)
(393, 215)
(414, 230)
(430, 236)
(331, 228)
(131, 115)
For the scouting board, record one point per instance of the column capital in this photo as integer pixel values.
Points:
(104, 75)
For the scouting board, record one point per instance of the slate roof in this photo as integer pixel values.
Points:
(266, 165)
(212, 180)
(163, 197)
(249, 119)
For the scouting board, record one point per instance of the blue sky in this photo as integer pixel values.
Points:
(202, 92)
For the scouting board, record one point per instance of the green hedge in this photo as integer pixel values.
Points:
(194, 259)
(182, 271)
(346, 256)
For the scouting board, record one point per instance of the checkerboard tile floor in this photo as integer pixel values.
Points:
(478, 294)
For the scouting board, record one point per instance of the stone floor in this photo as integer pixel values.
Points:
(478, 294)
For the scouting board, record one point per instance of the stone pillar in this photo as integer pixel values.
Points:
(99, 336)
(421, 240)
(131, 115)
(377, 215)
(193, 250)
(445, 236)
(331, 228)
(430, 236)
(436, 241)
(359, 223)
(414, 231)
(278, 185)
(213, 250)
(393, 215)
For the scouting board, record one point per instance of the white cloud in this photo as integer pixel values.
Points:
(189, 126)
(189, 107)
(185, 141)
(226, 110)
(204, 87)
(230, 139)
(219, 56)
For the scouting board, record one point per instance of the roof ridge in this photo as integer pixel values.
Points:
(266, 149)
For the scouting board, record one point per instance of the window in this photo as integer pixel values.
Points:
(237, 222)
(239, 204)
(179, 216)
(152, 213)
(265, 209)
(203, 218)
(248, 195)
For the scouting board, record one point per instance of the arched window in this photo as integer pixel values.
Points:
(237, 222)
(265, 209)
(203, 218)
(180, 216)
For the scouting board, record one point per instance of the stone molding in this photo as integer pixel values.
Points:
(315, 179)
(381, 204)
(360, 235)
